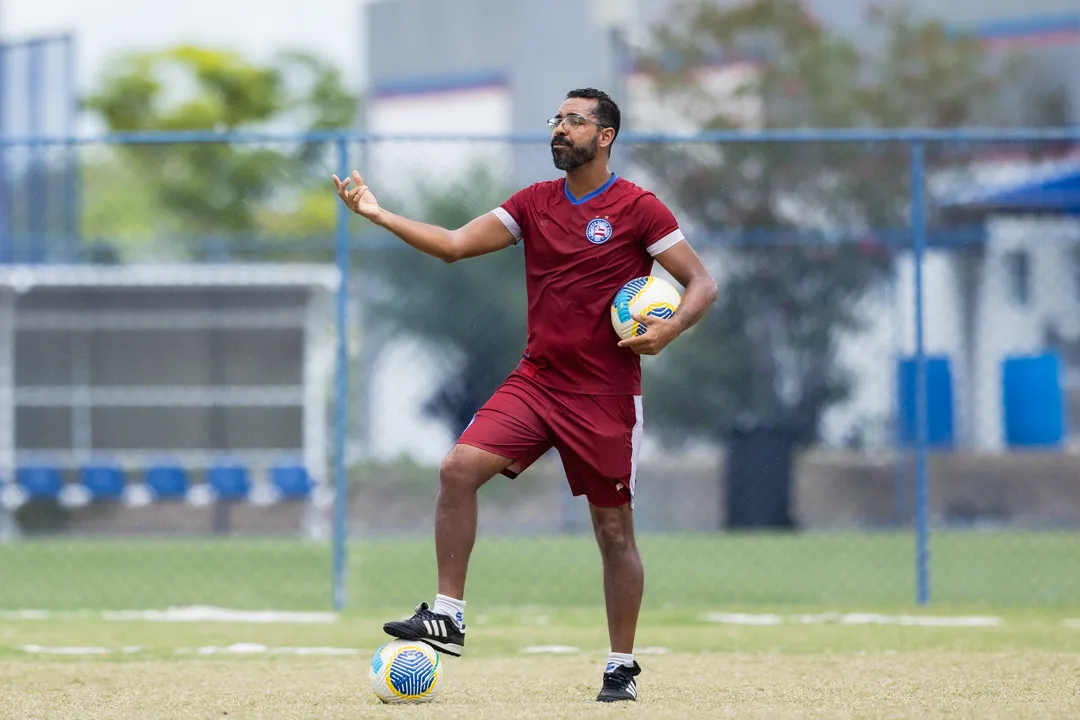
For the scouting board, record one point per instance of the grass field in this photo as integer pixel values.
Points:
(530, 592)
(693, 572)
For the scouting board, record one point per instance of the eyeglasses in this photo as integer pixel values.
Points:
(573, 121)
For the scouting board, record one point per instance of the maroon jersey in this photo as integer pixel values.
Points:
(578, 253)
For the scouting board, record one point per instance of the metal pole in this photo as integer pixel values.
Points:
(72, 241)
(918, 232)
(9, 525)
(6, 254)
(341, 481)
(37, 197)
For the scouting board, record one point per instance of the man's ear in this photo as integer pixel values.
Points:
(607, 137)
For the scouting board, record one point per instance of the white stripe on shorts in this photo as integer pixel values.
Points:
(635, 444)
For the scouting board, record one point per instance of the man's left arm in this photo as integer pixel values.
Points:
(683, 264)
(700, 291)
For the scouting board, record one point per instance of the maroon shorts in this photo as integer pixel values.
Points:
(597, 436)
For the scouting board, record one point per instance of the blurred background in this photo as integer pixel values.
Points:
(216, 388)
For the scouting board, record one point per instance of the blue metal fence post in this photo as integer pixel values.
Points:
(71, 228)
(5, 205)
(918, 236)
(36, 195)
(341, 480)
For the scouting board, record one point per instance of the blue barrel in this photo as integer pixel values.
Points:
(1033, 401)
(229, 480)
(292, 481)
(105, 481)
(40, 481)
(939, 402)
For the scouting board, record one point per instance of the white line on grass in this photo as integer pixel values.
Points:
(60, 650)
(234, 649)
(763, 619)
(205, 613)
(315, 651)
(45, 615)
(1075, 624)
(260, 649)
(556, 649)
(920, 620)
(742, 619)
(193, 613)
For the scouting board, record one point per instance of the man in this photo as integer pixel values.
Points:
(577, 387)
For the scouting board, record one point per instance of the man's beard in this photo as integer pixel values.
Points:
(571, 157)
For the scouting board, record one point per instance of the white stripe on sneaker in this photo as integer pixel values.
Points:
(442, 628)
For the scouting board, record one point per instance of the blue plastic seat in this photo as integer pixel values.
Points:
(104, 481)
(40, 481)
(167, 481)
(292, 481)
(230, 481)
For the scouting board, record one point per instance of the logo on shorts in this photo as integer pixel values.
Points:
(598, 231)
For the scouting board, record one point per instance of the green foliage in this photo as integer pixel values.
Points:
(804, 221)
(195, 190)
(472, 313)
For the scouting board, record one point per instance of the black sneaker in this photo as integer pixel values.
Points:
(619, 684)
(437, 630)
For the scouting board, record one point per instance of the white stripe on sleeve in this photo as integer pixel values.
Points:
(509, 222)
(665, 243)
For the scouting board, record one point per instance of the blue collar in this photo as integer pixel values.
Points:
(594, 193)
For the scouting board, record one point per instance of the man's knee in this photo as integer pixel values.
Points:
(614, 529)
(467, 467)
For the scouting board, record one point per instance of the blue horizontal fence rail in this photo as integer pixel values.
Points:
(842, 135)
(917, 237)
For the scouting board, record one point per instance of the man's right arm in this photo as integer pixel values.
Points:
(486, 234)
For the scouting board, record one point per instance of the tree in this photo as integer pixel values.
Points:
(208, 189)
(471, 314)
(807, 226)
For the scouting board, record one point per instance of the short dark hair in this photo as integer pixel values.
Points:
(607, 112)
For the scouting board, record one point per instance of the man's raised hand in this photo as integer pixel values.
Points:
(359, 199)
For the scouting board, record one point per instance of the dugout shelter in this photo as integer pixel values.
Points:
(141, 384)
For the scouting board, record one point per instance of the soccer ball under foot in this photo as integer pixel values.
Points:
(405, 671)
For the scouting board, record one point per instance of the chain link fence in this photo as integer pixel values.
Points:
(39, 191)
(176, 423)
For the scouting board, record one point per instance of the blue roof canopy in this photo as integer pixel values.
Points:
(1056, 193)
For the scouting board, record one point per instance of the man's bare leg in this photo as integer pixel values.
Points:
(624, 585)
(624, 576)
(464, 470)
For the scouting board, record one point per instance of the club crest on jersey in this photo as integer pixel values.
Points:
(598, 231)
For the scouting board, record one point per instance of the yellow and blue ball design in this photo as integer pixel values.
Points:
(648, 296)
(404, 671)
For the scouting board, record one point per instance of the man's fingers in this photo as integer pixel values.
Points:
(342, 188)
(355, 198)
(356, 176)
